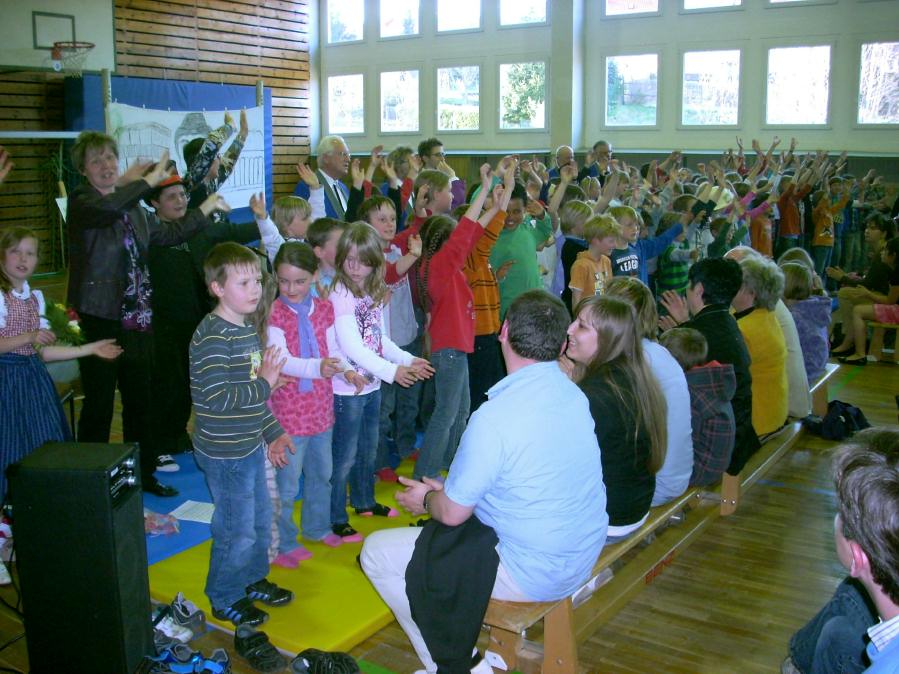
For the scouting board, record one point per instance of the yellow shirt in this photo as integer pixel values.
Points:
(768, 351)
(590, 276)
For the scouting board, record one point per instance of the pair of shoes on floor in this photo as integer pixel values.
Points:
(187, 614)
(292, 559)
(346, 533)
(836, 353)
(313, 661)
(180, 658)
(377, 509)
(166, 464)
(850, 360)
(256, 649)
(244, 612)
(154, 486)
(164, 622)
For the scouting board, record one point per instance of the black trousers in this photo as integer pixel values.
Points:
(485, 368)
(171, 382)
(131, 373)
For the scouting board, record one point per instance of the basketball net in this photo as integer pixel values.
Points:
(70, 56)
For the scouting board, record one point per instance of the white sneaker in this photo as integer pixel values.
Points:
(173, 630)
(166, 464)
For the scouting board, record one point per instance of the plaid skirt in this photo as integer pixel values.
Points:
(30, 411)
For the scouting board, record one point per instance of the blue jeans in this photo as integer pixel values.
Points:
(241, 525)
(821, 255)
(313, 460)
(353, 449)
(451, 404)
(833, 642)
(402, 404)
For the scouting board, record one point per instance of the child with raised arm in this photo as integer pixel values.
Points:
(231, 380)
(291, 215)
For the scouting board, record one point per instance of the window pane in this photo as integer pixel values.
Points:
(798, 85)
(522, 94)
(711, 87)
(458, 14)
(709, 4)
(458, 98)
(399, 17)
(622, 7)
(345, 20)
(631, 90)
(878, 91)
(512, 12)
(399, 101)
(346, 111)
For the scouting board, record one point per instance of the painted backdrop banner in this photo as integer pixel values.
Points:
(143, 133)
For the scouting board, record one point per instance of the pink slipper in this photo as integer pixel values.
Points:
(347, 534)
(285, 561)
(299, 554)
(332, 540)
(379, 510)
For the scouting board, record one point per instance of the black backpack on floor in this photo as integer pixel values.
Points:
(840, 422)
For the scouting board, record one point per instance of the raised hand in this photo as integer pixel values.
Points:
(160, 171)
(486, 172)
(307, 175)
(389, 171)
(257, 205)
(244, 126)
(229, 120)
(413, 245)
(676, 306)
(421, 202)
(568, 173)
(357, 174)
(415, 166)
(443, 167)
(215, 202)
(135, 172)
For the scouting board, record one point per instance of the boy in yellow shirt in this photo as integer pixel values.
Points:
(592, 269)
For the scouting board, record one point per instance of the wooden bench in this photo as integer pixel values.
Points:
(820, 396)
(624, 568)
(876, 350)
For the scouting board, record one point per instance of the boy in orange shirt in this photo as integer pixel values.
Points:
(592, 269)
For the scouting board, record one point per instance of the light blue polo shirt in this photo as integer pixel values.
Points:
(529, 464)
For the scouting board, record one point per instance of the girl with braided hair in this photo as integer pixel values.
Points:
(448, 306)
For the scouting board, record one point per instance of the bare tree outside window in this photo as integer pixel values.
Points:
(458, 98)
(878, 84)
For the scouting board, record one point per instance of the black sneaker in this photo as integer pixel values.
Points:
(242, 612)
(269, 593)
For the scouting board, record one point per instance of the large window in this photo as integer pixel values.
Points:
(458, 98)
(878, 85)
(711, 4)
(399, 17)
(625, 7)
(522, 95)
(711, 87)
(346, 110)
(399, 101)
(346, 19)
(798, 85)
(514, 12)
(458, 15)
(632, 86)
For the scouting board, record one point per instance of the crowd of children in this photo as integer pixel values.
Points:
(387, 306)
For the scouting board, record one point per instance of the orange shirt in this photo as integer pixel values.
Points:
(482, 280)
(589, 275)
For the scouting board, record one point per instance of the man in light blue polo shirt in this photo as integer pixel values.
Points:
(528, 466)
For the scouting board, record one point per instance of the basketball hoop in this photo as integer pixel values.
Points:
(70, 56)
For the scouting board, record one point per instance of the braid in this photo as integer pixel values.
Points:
(433, 233)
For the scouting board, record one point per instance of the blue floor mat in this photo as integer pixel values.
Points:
(191, 486)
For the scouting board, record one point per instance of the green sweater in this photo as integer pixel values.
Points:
(519, 244)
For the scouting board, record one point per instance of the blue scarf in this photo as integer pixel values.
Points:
(308, 343)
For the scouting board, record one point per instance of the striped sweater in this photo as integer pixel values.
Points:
(231, 415)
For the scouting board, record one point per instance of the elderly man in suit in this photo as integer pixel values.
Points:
(333, 166)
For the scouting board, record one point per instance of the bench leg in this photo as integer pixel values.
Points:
(506, 645)
(730, 494)
(559, 647)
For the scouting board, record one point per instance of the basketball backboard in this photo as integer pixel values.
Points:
(30, 27)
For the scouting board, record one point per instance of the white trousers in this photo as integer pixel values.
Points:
(385, 556)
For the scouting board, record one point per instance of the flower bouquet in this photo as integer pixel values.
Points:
(64, 322)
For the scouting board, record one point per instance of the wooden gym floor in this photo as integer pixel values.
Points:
(728, 604)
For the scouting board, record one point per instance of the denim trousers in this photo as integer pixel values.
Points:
(833, 642)
(451, 405)
(354, 445)
(822, 256)
(241, 525)
(313, 461)
(399, 411)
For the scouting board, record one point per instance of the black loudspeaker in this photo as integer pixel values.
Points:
(82, 558)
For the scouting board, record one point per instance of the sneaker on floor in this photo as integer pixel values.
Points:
(166, 464)
(173, 630)
(347, 533)
(219, 662)
(379, 510)
(268, 593)
(257, 650)
(186, 613)
(387, 475)
(242, 612)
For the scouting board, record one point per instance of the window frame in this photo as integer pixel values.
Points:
(455, 63)
(856, 82)
(513, 26)
(708, 10)
(604, 56)
(457, 31)
(770, 44)
(506, 60)
(387, 68)
(771, 4)
(327, 27)
(740, 46)
(391, 38)
(326, 103)
(636, 15)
